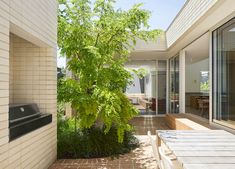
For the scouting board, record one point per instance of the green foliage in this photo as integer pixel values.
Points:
(92, 142)
(96, 39)
(204, 86)
(141, 73)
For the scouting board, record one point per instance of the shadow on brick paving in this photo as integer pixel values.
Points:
(140, 158)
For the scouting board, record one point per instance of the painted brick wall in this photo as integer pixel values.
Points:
(28, 74)
(32, 73)
(4, 78)
(36, 17)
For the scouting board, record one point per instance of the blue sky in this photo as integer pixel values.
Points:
(163, 12)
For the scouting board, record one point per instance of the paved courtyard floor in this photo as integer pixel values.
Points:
(140, 158)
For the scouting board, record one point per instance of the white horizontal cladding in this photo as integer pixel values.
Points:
(187, 17)
(158, 45)
(37, 18)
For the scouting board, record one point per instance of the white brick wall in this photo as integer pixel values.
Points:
(188, 16)
(28, 74)
(37, 17)
(34, 73)
(4, 77)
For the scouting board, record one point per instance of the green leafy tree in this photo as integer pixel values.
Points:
(97, 39)
(141, 73)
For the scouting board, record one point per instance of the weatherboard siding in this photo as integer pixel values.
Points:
(187, 17)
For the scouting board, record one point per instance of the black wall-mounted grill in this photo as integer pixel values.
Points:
(24, 118)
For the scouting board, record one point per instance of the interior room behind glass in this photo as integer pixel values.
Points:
(197, 75)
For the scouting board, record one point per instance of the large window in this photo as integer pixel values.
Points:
(174, 85)
(224, 74)
(204, 81)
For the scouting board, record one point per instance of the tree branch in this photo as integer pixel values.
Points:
(97, 38)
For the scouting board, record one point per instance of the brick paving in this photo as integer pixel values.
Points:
(143, 124)
(140, 158)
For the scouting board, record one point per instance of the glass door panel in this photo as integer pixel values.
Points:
(161, 87)
(174, 85)
(224, 74)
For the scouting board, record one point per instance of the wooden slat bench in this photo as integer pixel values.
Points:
(181, 122)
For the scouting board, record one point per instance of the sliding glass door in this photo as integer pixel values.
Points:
(161, 86)
(224, 74)
(174, 85)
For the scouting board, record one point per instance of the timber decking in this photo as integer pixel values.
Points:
(207, 149)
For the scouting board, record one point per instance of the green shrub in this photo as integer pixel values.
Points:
(92, 142)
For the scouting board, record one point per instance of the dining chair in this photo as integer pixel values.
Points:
(166, 162)
(203, 107)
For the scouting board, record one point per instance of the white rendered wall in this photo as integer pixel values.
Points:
(193, 77)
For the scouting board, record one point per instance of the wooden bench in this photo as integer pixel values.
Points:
(181, 122)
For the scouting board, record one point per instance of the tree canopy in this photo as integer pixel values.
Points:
(97, 39)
